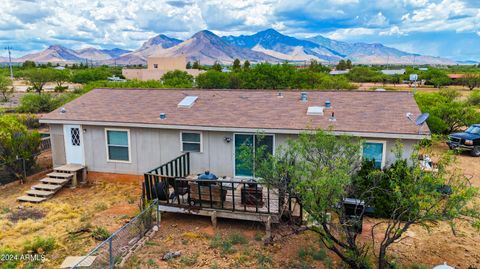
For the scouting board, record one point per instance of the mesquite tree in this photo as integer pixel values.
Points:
(323, 170)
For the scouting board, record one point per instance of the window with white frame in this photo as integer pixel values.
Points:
(191, 141)
(375, 150)
(118, 145)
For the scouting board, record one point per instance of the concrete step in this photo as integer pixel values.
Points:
(47, 187)
(57, 181)
(31, 199)
(60, 175)
(39, 193)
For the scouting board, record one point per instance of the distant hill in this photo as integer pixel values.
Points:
(54, 53)
(284, 47)
(207, 48)
(265, 46)
(376, 53)
(150, 47)
(61, 54)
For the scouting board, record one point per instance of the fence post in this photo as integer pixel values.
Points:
(110, 252)
(158, 213)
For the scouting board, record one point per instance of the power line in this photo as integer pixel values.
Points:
(8, 48)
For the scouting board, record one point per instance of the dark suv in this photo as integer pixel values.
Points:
(468, 140)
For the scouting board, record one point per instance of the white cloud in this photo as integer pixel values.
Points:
(394, 30)
(343, 34)
(378, 20)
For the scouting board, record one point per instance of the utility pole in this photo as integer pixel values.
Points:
(8, 48)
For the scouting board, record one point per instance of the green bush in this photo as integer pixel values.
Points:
(474, 98)
(17, 142)
(39, 245)
(37, 103)
(447, 113)
(177, 79)
(43, 103)
(100, 233)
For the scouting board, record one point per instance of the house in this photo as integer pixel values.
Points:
(130, 131)
(165, 137)
(157, 67)
(392, 72)
(455, 77)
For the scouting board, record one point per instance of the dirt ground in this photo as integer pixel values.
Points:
(97, 204)
(233, 244)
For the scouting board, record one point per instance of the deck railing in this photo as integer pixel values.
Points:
(169, 183)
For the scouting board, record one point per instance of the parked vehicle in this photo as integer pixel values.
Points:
(468, 140)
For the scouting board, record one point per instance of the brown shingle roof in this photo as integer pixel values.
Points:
(355, 111)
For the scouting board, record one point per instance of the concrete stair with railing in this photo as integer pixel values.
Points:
(47, 187)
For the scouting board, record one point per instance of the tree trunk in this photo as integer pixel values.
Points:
(382, 263)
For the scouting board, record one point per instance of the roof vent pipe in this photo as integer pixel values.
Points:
(303, 96)
(328, 104)
(163, 116)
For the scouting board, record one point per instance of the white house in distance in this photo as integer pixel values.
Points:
(126, 132)
(157, 67)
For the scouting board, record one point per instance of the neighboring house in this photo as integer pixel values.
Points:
(455, 76)
(131, 131)
(393, 72)
(157, 67)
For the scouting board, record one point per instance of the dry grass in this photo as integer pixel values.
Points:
(68, 211)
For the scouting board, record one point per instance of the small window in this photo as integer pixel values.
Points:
(155, 65)
(374, 151)
(191, 142)
(118, 145)
(75, 135)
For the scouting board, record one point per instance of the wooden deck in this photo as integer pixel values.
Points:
(254, 202)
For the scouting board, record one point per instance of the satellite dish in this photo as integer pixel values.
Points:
(421, 119)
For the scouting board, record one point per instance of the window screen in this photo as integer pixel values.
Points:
(117, 143)
(191, 142)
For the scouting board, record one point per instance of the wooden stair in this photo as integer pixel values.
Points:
(47, 187)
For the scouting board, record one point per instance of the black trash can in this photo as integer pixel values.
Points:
(353, 212)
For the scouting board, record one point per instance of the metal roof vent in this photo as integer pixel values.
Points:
(315, 111)
(63, 110)
(163, 116)
(303, 96)
(188, 101)
(328, 104)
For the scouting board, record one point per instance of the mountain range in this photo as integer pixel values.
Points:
(265, 46)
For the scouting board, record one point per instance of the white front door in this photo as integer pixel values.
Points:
(73, 144)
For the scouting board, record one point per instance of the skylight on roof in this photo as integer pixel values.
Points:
(315, 110)
(188, 101)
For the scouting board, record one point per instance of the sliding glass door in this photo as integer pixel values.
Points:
(246, 147)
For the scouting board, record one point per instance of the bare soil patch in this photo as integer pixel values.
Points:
(107, 205)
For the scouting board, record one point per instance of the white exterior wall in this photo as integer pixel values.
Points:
(149, 148)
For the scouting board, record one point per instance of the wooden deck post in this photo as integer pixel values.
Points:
(268, 229)
(214, 219)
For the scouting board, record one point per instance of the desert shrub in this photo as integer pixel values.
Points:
(88, 75)
(39, 245)
(474, 98)
(29, 120)
(447, 113)
(100, 233)
(177, 79)
(189, 260)
(38, 103)
(237, 238)
(16, 142)
(60, 88)
(213, 80)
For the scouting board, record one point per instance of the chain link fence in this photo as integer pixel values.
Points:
(114, 249)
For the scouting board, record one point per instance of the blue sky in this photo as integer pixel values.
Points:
(447, 28)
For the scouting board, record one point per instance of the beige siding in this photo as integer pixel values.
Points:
(58, 144)
(150, 148)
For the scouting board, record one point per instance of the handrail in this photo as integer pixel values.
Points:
(178, 167)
